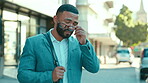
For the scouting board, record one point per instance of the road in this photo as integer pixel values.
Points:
(109, 73)
(112, 73)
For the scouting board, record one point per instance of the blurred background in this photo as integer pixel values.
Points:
(117, 29)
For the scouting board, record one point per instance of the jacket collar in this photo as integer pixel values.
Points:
(71, 41)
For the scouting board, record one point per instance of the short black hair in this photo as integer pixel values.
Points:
(68, 8)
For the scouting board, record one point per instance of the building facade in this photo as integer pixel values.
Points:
(20, 19)
(98, 21)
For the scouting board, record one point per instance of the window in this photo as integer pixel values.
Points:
(33, 25)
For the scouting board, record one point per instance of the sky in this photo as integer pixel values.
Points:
(133, 5)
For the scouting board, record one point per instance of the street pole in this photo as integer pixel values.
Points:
(1, 66)
(1, 46)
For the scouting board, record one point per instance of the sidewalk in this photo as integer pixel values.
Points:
(6, 79)
(107, 60)
(10, 74)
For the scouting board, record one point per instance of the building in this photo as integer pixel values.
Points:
(141, 14)
(98, 21)
(20, 19)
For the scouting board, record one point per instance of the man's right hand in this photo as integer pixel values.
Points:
(58, 73)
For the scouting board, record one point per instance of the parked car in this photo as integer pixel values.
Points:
(144, 64)
(124, 55)
(146, 80)
(137, 51)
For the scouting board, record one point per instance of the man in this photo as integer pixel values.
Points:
(37, 60)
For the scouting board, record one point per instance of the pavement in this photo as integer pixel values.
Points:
(10, 73)
(6, 79)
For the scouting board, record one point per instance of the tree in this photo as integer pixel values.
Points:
(128, 31)
(140, 32)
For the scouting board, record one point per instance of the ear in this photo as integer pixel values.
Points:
(55, 19)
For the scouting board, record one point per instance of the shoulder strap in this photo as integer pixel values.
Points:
(56, 63)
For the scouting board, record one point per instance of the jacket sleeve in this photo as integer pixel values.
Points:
(89, 59)
(26, 69)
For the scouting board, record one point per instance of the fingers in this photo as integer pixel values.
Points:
(79, 31)
(58, 73)
(61, 68)
(79, 28)
(80, 34)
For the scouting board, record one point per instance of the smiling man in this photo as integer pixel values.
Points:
(57, 56)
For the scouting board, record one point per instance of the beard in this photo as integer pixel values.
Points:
(61, 31)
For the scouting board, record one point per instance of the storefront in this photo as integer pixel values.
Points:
(16, 24)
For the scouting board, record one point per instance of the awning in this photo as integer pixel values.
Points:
(104, 38)
(18, 8)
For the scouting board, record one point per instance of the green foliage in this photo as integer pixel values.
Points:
(127, 31)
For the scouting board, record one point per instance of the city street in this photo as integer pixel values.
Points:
(112, 73)
(116, 31)
(109, 73)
